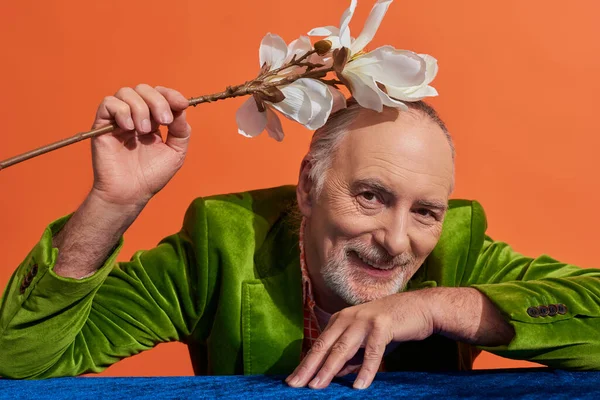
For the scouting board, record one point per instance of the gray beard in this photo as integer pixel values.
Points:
(339, 276)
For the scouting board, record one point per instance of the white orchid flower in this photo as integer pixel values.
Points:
(385, 75)
(307, 101)
(419, 92)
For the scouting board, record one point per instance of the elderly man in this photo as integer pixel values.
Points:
(364, 266)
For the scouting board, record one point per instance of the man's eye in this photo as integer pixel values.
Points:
(426, 213)
(369, 196)
(369, 200)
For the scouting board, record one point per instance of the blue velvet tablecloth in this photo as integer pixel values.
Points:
(493, 384)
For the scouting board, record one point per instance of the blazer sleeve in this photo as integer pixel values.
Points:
(54, 326)
(554, 307)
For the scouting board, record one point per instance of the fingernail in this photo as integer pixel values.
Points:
(315, 382)
(359, 384)
(295, 381)
(165, 118)
(129, 124)
(146, 125)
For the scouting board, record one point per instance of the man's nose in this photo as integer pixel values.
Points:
(393, 236)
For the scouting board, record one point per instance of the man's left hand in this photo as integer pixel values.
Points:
(462, 313)
(400, 317)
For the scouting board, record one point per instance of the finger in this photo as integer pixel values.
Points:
(372, 360)
(159, 106)
(341, 352)
(179, 130)
(348, 369)
(179, 133)
(331, 321)
(112, 109)
(139, 109)
(316, 356)
(176, 100)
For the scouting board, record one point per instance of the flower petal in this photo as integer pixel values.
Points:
(424, 91)
(273, 51)
(325, 31)
(431, 68)
(363, 91)
(371, 25)
(367, 90)
(419, 92)
(335, 42)
(274, 128)
(250, 121)
(298, 47)
(388, 101)
(296, 105)
(339, 100)
(344, 21)
(390, 66)
(321, 101)
(414, 93)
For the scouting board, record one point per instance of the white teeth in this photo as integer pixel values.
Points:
(371, 264)
(368, 262)
(365, 261)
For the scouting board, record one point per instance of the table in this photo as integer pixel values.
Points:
(514, 384)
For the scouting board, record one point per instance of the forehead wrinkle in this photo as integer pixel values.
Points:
(405, 176)
(414, 156)
(387, 155)
(399, 166)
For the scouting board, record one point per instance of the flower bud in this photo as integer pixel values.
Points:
(322, 47)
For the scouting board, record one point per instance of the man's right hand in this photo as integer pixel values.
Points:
(132, 163)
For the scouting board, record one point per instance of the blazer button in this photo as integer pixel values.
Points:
(533, 312)
(544, 311)
(552, 310)
(24, 285)
(561, 309)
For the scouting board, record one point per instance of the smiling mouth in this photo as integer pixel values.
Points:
(371, 267)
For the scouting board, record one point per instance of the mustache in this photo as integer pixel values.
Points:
(377, 256)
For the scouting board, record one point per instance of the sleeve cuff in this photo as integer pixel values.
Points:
(525, 302)
(35, 286)
(515, 300)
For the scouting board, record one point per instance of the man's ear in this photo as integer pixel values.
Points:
(304, 190)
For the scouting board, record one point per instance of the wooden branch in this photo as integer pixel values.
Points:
(256, 87)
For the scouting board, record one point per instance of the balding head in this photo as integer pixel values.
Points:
(327, 139)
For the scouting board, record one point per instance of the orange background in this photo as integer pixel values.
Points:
(518, 85)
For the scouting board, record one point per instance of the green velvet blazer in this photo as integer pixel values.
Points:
(228, 284)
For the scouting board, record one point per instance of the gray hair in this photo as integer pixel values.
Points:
(327, 139)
